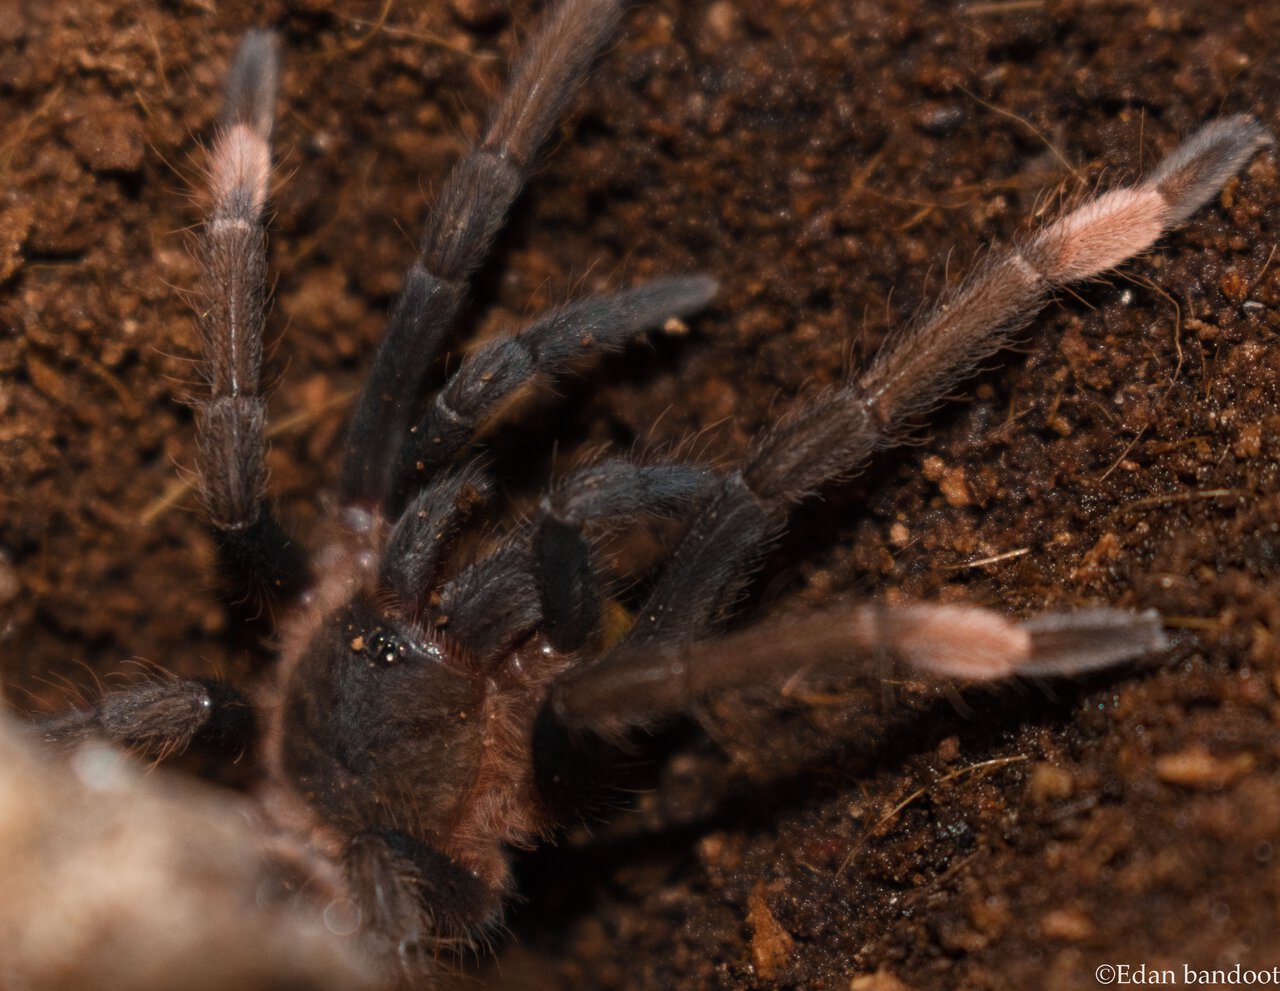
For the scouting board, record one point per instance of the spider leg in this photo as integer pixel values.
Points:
(548, 346)
(415, 898)
(231, 419)
(545, 578)
(426, 530)
(833, 435)
(636, 687)
(494, 603)
(158, 717)
(463, 223)
(615, 491)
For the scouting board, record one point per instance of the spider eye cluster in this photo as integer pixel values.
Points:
(383, 648)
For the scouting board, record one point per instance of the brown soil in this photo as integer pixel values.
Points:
(822, 158)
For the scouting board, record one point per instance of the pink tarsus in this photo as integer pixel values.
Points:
(1003, 294)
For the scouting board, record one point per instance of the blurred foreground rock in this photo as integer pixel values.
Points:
(116, 878)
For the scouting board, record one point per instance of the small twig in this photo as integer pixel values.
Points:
(1173, 498)
(993, 559)
(956, 775)
(1001, 7)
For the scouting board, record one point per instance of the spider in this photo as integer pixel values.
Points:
(415, 724)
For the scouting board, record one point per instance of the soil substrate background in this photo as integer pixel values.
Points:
(834, 164)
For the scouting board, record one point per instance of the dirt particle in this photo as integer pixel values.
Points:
(771, 944)
(15, 225)
(46, 378)
(722, 21)
(1069, 924)
(1196, 768)
(1049, 783)
(1248, 442)
(1234, 286)
(1106, 550)
(9, 584)
(712, 848)
(881, 980)
(951, 482)
(955, 488)
(107, 136)
(478, 13)
(13, 23)
(990, 916)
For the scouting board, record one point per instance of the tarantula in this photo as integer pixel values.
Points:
(412, 730)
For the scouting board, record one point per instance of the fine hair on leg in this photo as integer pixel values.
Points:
(461, 226)
(833, 434)
(257, 557)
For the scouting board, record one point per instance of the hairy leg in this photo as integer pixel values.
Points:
(424, 533)
(413, 899)
(493, 604)
(639, 686)
(231, 419)
(158, 717)
(544, 577)
(833, 434)
(549, 346)
(612, 493)
(462, 225)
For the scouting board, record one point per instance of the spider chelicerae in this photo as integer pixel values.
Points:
(423, 706)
